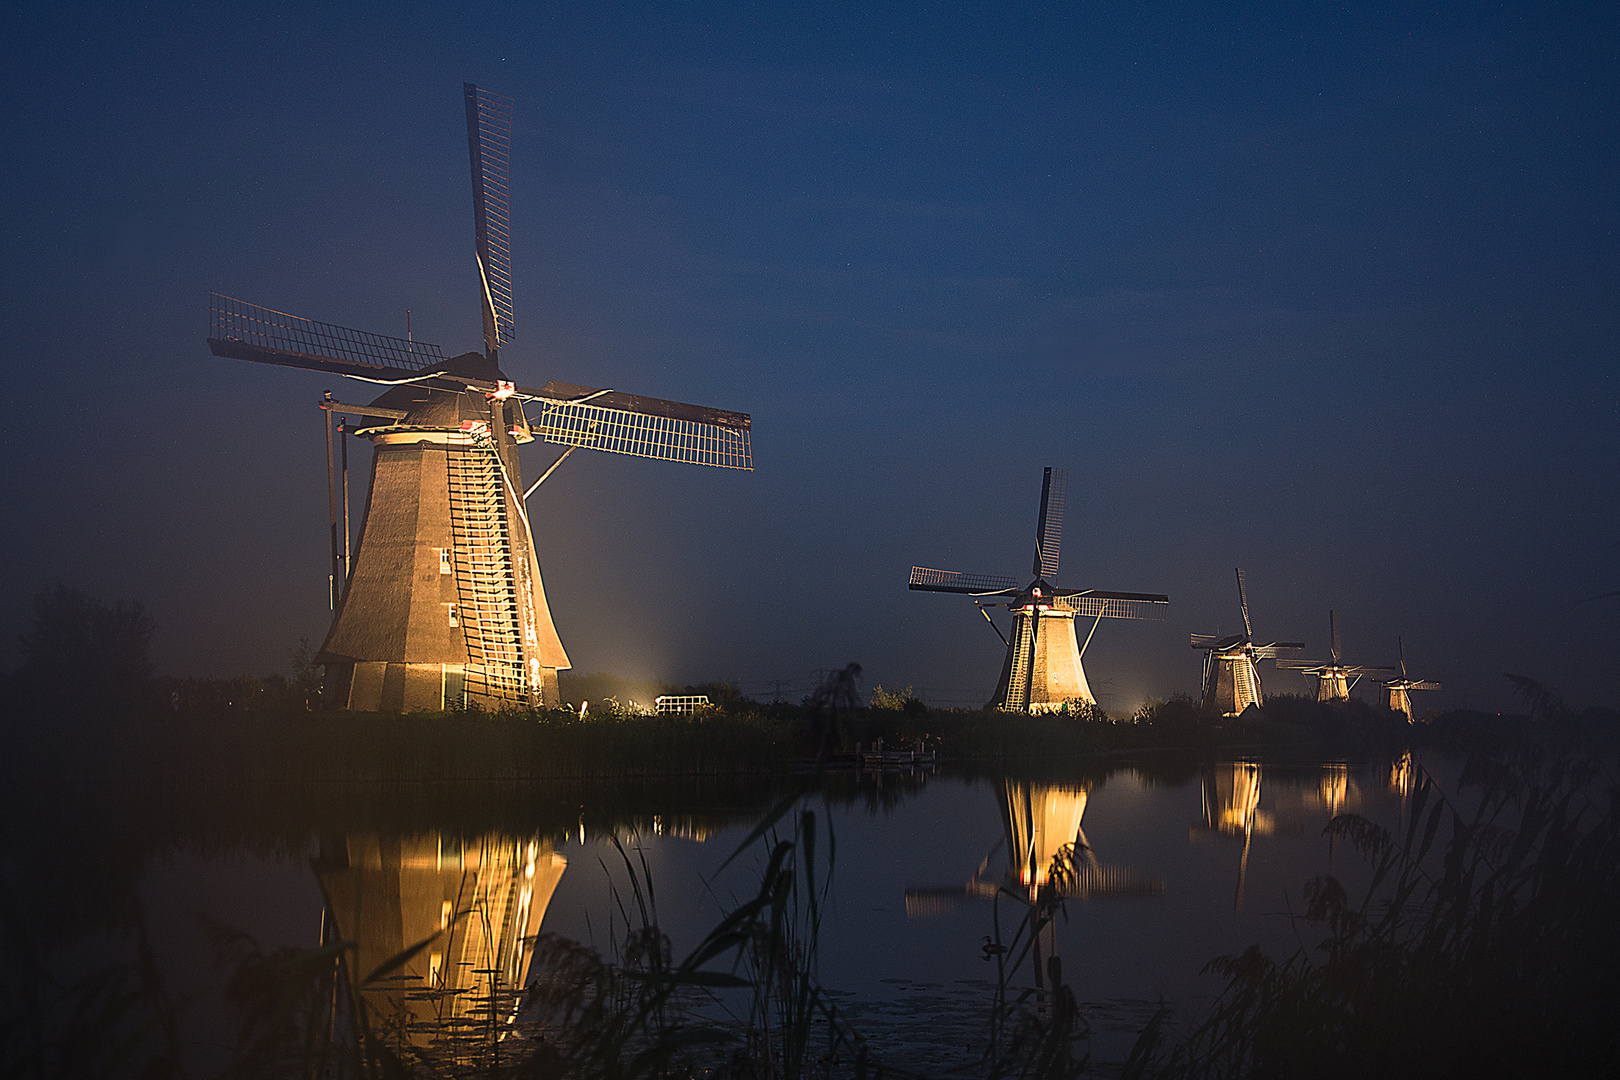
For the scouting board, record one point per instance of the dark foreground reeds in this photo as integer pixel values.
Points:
(1486, 945)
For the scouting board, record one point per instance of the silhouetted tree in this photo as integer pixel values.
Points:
(83, 651)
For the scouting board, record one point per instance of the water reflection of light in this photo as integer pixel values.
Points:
(1041, 823)
(1400, 775)
(476, 906)
(1232, 800)
(1334, 786)
(1232, 807)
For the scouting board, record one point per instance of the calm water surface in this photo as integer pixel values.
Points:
(1176, 865)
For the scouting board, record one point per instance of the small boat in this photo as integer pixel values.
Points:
(878, 757)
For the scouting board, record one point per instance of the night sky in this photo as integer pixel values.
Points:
(1328, 293)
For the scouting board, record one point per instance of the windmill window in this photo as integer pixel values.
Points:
(444, 560)
(451, 608)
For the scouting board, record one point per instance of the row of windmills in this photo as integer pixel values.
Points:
(1043, 672)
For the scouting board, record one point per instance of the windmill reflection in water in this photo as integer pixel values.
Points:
(470, 910)
(1049, 860)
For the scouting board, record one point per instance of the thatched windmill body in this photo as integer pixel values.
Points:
(1231, 672)
(1398, 691)
(1334, 678)
(443, 603)
(1042, 670)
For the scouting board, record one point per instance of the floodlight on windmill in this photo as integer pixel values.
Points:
(1334, 678)
(1231, 673)
(1042, 670)
(1398, 690)
(443, 602)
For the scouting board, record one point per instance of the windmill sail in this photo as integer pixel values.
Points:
(244, 331)
(1094, 604)
(924, 579)
(1049, 528)
(489, 145)
(640, 426)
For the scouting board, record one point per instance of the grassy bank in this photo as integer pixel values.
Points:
(246, 741)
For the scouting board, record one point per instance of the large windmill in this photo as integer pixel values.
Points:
(1231, 678)
(1042, 670)
(1334, 678)
(443, 603)
(1397, 689)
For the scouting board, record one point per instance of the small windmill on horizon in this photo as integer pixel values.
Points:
(1398, 690)
(443, 603)
(1334, 678)
(1042, 671)
(1231, 674)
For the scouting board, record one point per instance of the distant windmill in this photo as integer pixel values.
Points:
(1399, 701)
(1231, 679)
(1334, 678)
(1042, 669)
(444, 603)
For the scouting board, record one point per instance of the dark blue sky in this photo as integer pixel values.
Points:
(1327, 293)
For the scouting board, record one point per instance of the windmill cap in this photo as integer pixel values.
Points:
(427, 407)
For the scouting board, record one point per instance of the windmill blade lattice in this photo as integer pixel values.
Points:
(640, 434)
(244, 331)
(489, 144)
(1243, 602)
(1049, 530)
(1094, 605)
(925, 579)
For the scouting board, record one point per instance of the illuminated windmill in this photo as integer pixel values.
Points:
(1334, 678)
(1042, 670)
(1397, 689)
(443, 603)
(1231, 678)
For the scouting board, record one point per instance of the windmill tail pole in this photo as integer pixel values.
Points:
(993, 626)
(534, 486)
(343, 430)
(331, 503)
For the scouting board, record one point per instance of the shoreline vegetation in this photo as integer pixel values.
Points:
(253, 731)
(87, 703)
